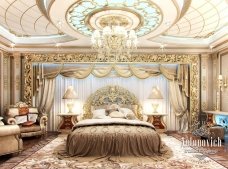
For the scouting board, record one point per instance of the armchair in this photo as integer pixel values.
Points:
(10, 140)
(30, 121)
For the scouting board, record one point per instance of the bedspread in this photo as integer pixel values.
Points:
(116, 137)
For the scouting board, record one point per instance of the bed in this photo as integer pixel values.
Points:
(120, 133)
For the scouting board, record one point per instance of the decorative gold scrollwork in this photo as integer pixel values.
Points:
(110, 95)
(192, 60)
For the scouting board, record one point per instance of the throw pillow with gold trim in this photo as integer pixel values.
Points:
(116, 114)
(111, 108)
(23, 110)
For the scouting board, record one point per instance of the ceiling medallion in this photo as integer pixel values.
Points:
(141, 15)
(113, 20)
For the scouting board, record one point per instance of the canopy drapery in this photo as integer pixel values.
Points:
(100, 71)
(178, 82)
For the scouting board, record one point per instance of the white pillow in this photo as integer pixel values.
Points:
(116, 114)
(32, 117)
(128, 113)
(101, 117)
(13, 112)
(21, 119)
(98, 113)
(33, 110)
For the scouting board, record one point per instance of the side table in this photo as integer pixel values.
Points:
(67, 122)
(157, 121)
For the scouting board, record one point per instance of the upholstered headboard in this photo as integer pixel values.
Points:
(111, 95)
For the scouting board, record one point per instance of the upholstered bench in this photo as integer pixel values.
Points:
(216, 132)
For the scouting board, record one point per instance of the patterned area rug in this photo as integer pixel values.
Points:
(175, 156)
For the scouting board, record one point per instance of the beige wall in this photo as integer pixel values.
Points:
(206, 82)
(10, 79)
(224, 72)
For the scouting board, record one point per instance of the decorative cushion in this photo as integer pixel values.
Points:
(33, 110)
(98, 107)
(216, 132)
(21, 119)
(28, 123)
(116, 114)
(111, 108)
(126, 111)
(129, 114)
(23, 110)
(131, 107)
(32, 117)
(99, 113)
(13, 111)
(114, 106)
(21, 104)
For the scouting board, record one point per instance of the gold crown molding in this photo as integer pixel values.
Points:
(192, 60)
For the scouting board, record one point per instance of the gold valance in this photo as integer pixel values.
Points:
(125, 71)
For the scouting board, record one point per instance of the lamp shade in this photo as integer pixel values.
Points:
(70, 93)
(155, 94)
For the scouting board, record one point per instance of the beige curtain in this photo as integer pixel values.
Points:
(122, 70)
(45, 96)
(179, 103)
(183, 78)
(178, 82)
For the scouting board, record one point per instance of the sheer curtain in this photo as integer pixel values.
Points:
(85, 87)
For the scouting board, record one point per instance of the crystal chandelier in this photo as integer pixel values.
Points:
(114, 41)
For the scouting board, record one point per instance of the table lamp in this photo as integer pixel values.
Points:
(70, 94)
(155, 95)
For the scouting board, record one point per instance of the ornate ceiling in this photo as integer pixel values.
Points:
(174, 23)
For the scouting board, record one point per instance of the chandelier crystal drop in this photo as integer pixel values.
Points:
(114, 40)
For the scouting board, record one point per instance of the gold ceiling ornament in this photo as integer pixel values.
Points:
(84, 15)
(114, 20)
(142, 58)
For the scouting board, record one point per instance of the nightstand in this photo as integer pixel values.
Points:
(67, 122)
(157, 121)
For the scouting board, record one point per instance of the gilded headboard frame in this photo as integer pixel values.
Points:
(109, 95)
(193, 60)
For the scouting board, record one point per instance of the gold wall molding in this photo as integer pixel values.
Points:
(192, 60)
